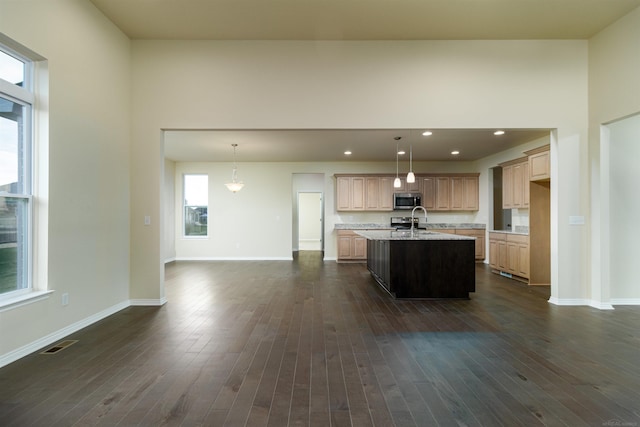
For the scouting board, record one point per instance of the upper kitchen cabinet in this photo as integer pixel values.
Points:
(436, 193)
(379, 193)
(350, 193)
(450, 193)
(464, 193)
(409, 187)
(440, 192)
(515, 183)
(539, 163)
(364, 193)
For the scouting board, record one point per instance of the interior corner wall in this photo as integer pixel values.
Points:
(614, 94)
(89, 113)
(169, 241)
(624, 152)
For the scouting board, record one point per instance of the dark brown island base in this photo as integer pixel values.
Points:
(422, 264)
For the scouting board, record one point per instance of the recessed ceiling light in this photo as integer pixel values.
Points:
(347, 153)
(427, 133)
(401, 153)
(499, 132)
(455, 153)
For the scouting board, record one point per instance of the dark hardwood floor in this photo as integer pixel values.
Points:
(315, 343)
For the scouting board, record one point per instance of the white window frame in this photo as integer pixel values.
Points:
(25, 96)
(184, 206)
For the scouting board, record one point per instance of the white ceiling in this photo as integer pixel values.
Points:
(370, 145)
(363, 19)
(354, 20)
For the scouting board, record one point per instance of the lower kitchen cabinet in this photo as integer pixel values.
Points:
(351, 246)
(509, 253)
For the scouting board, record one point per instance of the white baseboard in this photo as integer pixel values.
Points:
(581, 302)
(568, 301)
(234, 259)
(168, 260)
(601, 305)
(36, 345)
(625, 301)
(148, 302)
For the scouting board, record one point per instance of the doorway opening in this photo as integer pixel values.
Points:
(307, 212)
(501, 217)
(310, 221)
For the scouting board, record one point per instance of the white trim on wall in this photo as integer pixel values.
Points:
(49, 339)
(625, 301)
(148, 302)
(234, 259)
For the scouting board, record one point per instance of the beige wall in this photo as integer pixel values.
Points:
(170, 187)
(321, 85)
(88, 140)
(614, 93)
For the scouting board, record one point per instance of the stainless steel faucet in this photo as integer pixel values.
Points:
(413, 213)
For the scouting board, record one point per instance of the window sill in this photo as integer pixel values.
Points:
(29, 298)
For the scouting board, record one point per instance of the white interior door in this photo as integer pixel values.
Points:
(309, 221)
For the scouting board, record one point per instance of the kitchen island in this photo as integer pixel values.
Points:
(421, 264)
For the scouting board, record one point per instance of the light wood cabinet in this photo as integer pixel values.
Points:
(378, 194)
(386, 193)
(464, 193)
(539, 163)
(498, 251)
(351, 246)
(509, 253)
(364, 193)
(408, 187)
(443, 195)
(350, 193)
(507, 187)
(446, 192)
(372, 197)
(450, 193)
(429, 193)
(515, 184)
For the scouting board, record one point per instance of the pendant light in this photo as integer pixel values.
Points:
(234, 185)
(396, 182)
(410, 176)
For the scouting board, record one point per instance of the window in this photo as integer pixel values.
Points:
(16, 202)
(196, 201)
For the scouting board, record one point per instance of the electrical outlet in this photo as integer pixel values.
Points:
(65, 299)
(147, 220)
(576, 220)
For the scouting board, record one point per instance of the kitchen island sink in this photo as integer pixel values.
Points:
(421, 264)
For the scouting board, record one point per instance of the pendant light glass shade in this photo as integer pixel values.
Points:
(410, 176)
(234, 185)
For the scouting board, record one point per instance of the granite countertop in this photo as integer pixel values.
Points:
(519, 232)
(408, 235)
(428, 226)
(363, 226)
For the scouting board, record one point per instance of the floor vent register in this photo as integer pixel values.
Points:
(59, 347)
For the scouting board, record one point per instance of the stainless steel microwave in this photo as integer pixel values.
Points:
(406, 201)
